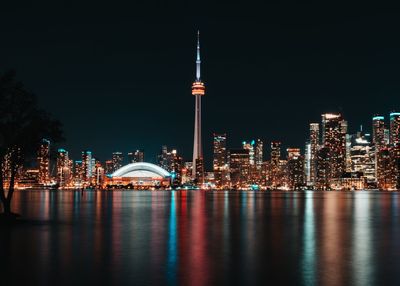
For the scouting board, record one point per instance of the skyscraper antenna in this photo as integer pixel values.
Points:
(198, 61)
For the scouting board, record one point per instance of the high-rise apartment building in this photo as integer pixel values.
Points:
(220, 166)
(386, 165)
(322, 181)
(86, 166)
(259, 154)
(334, 130)
(295, 169)
(394, 128)
(275, 163)
(249, 145)
(43, 160)
(239, 167)
(314, 145)
(362, 156)
(64, 168)
(172, 162)
(378, 131)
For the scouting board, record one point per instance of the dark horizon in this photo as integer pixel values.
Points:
(118, 76)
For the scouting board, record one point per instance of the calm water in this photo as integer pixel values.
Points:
(203, 238)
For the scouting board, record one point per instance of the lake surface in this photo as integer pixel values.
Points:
(203, 238)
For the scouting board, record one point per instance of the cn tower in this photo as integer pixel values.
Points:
(198, 90)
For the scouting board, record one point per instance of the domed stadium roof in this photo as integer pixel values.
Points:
(141, 170)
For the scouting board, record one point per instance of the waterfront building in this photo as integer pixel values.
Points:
(348, 151)
(186, 172)
(220, 166)
(43, 160)
(239, 166)
(64, 168)
(274, 163)
(29, 179)
(307, 163)
(378, 131)
(282, 181)
(259, 157)
(334, 130)
(314, 145)
(380, 140)
(362, 156)
(396, 161)
(250, 146)
(350, 181)
(394, 128)
(386, 165)
(256, 170)
(323, 165)
(78, 173)
(295, 169)
(11, 163)
(86, 166)
(198, 90)
(173, 163)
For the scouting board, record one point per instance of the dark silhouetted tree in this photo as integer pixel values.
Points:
(22, 126)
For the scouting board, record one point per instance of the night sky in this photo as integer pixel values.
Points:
(118, 74)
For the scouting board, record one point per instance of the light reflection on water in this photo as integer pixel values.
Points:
(204, 238)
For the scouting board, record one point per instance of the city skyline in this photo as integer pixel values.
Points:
(333, 159)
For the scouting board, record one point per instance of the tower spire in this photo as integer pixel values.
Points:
(198, 61)
(198, 90)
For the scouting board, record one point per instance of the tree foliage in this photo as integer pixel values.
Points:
(22, 126)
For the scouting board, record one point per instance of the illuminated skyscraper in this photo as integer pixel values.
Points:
(379, 141)
(163, 158)
(314, 145)
(239, 166)
(275, 163)
(86, 166)
(44, 162)
(394, 128)
(322, 169)
(64, 168)
(396, 161)
(378, 130)
(307, 163)
(198, 90)
(275, 152)
(362, 156)
(135, 157)
(334, 130)
(219, 160)
(78, 172)
(386, 164)
(250, 146)
(295, 168)
(259, 157)
(173, 163)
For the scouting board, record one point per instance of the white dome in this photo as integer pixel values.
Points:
(141, 170)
